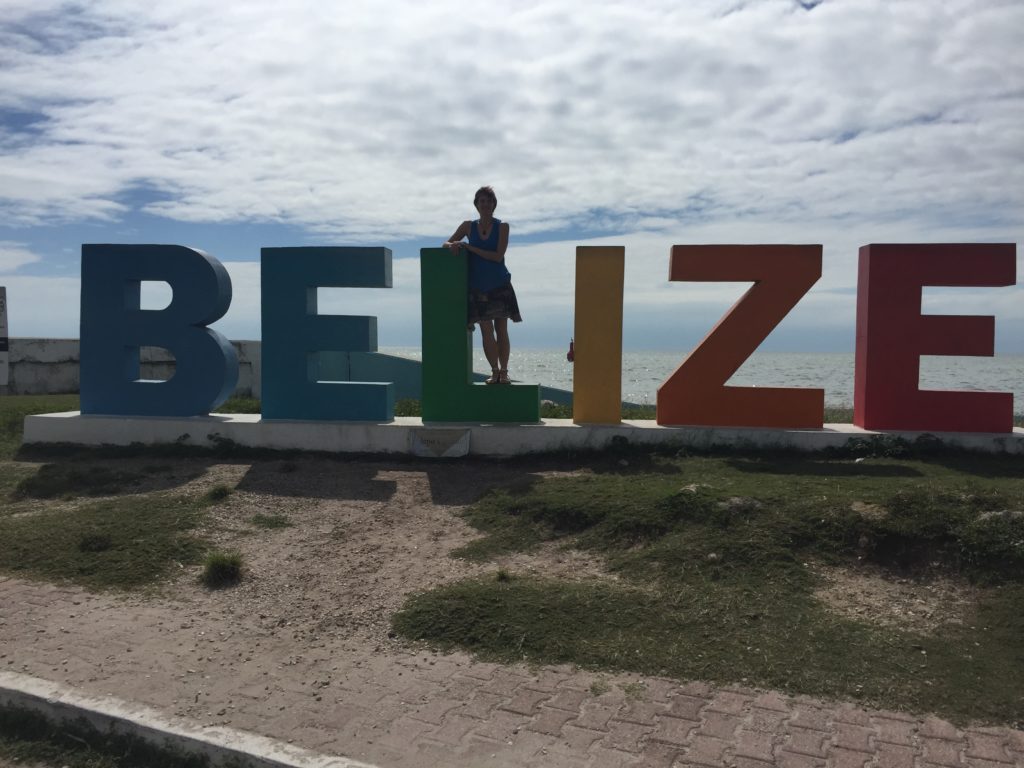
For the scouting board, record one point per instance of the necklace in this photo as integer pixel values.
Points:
(484, 233)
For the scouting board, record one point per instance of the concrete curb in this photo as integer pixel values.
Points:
(60, 703)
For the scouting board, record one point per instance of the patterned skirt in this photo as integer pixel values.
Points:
(493, 305)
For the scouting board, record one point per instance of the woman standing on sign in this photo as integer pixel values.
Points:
(492, 300)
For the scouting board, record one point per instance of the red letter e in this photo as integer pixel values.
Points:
(892, 334)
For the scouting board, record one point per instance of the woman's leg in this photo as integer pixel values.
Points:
(490, 344)
(504, 347)
(502, 343)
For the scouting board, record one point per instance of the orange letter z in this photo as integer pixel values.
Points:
(696, 393)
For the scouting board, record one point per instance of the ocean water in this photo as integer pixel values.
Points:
(644, 371)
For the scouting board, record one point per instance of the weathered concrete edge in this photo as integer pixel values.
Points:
(397, 437)
(60, 703)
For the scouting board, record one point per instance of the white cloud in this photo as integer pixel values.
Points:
(15, 255)
(362, 123)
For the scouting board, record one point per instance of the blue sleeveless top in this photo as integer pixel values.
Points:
(486, 275)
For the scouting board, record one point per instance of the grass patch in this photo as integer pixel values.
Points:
(711, 556)
(407, 406)
(838, 415)
(29, 737)
(773, 511)
(14, 409)
(11, 476)
(73, 479)
(239, 405)
(550, 410)
(271, 522)
(639, 412)
(222, 569)
(121, 544)
(53, 481)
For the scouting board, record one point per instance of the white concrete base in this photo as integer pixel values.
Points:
(410, 435)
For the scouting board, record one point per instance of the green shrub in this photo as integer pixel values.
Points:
(222, 569)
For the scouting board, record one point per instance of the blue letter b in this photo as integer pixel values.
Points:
(114, 328)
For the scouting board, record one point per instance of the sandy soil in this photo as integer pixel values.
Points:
(394, 524)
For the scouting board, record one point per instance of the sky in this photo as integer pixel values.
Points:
(233, 126)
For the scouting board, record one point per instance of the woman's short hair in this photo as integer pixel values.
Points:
(486, 192)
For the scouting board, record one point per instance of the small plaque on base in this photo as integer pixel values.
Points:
(439, 443)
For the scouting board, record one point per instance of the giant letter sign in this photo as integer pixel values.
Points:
(113, 328)
(597, 369)
(294, 334)
(696, 393)
(892, 334)
(448, 392)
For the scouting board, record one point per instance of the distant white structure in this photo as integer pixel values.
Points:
(50, 366)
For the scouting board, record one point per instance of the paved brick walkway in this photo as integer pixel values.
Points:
(395, 708)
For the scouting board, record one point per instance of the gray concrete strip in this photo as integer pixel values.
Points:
(60, 703)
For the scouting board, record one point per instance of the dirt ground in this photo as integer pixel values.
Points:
(363, 535)
(394, 525)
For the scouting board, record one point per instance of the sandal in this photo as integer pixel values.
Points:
(494, 378)
(503, 376)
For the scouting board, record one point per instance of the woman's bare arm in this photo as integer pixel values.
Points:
(455, 241)
(499, 254)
